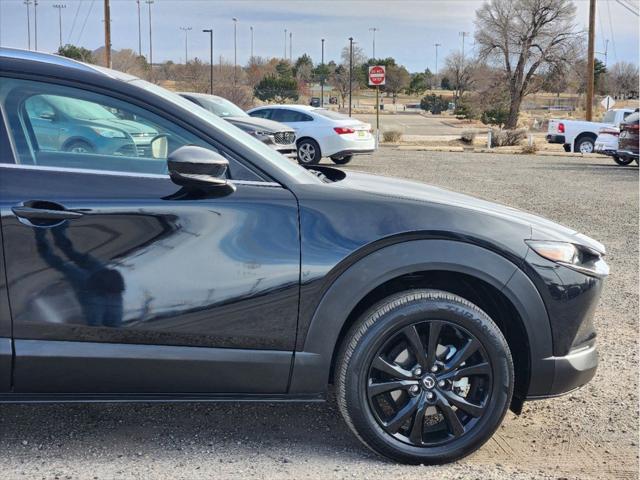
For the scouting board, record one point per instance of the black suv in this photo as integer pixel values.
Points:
(212, 268)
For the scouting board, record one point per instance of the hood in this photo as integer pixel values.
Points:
(541, 228)
(253, 123)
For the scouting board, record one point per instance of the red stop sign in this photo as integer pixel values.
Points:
(377, 75)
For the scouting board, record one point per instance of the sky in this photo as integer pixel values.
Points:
(407, 31)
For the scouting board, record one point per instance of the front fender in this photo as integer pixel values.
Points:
(312, 365)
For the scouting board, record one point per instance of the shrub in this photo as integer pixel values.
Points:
(529, 149)
(391, 136)
(495, 116)
(434, 104)
(468, 136)
(463, 111)
(507, 138)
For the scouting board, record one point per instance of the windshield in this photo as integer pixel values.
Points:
(80, 109)
(268, 154)
(609, 117)
(221, 107)
(330, 114)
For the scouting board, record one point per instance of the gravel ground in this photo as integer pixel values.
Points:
(592, 433)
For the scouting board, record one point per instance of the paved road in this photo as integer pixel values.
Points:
(413, 123)
(590, 434)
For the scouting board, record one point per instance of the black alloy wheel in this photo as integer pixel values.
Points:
(424, 376)
(429, 383)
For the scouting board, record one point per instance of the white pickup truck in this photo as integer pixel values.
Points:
(579, 135)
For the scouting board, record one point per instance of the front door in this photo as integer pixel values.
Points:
(121, 283)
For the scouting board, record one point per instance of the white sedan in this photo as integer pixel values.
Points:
(607, 141)
(321, 132)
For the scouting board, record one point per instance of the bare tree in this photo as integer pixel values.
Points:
(623, 79)
(461, 71)
(397, 79)
(524, 36)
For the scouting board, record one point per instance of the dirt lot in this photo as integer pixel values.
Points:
(592, 433)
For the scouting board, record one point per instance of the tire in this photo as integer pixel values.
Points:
(78, 146)
(584, 144)
(380, 332)
(309, 152)
(342, 160)
(567, 147)
(622, 160)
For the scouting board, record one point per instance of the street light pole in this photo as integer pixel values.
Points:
(60, 6)
(374, 30)
(350, 71)
(186, 40)
(35, 23)
(291, 47)
(27, 3)
(210, 32)
(149, 2)
(322, 76)
(285, 44)
(251, 28)
(235, 50)
(463, 35)
(436, 73)
(139, 31)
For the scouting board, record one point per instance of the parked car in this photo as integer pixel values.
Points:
(580, 136)
(278, 136)
(74, 125)
(216, 269)
(607, 142)
(321, 132)
(629, 139)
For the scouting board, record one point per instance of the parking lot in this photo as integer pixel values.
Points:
(591, 433)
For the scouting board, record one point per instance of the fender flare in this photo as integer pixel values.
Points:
(311, 367)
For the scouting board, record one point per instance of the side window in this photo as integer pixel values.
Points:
(284, 115)
(264, 113)
(68, 127)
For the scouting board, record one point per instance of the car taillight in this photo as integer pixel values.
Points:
(609, 131)
(561, 128)
(343, 130)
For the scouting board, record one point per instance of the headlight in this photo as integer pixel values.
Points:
(108, 133)
(578, 257)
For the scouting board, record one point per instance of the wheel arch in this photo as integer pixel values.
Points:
(433, 263)
(592, 136)
(76, 138)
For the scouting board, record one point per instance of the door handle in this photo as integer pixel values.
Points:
(43, 213)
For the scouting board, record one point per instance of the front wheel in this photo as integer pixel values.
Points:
(424, 376)
(308, 152)
(622, 160)
(78, 146)
(341, 160)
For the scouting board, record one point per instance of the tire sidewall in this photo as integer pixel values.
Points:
(356, 397)
(622, 160)
(317, 156)
(342, 160)
(582, 140)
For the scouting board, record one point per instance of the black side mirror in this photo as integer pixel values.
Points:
(196, 167)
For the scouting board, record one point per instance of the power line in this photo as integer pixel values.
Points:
(84, 24)
(613, 39)
(73, 24)
(628, 7)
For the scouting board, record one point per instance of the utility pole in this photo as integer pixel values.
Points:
(251, 28)
(149, 2)
(35, 24)
(60, 6)
(139, 30)
(107, 34)
(590, 60)
(291, 47)
(186, 42)
(235, 50)
(350, 71)
(285, 44)
(322, 75)
(374, 30)
(27, 3)
(210, 32)
(463, 35)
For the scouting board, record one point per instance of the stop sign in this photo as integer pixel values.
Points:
(377, 75)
